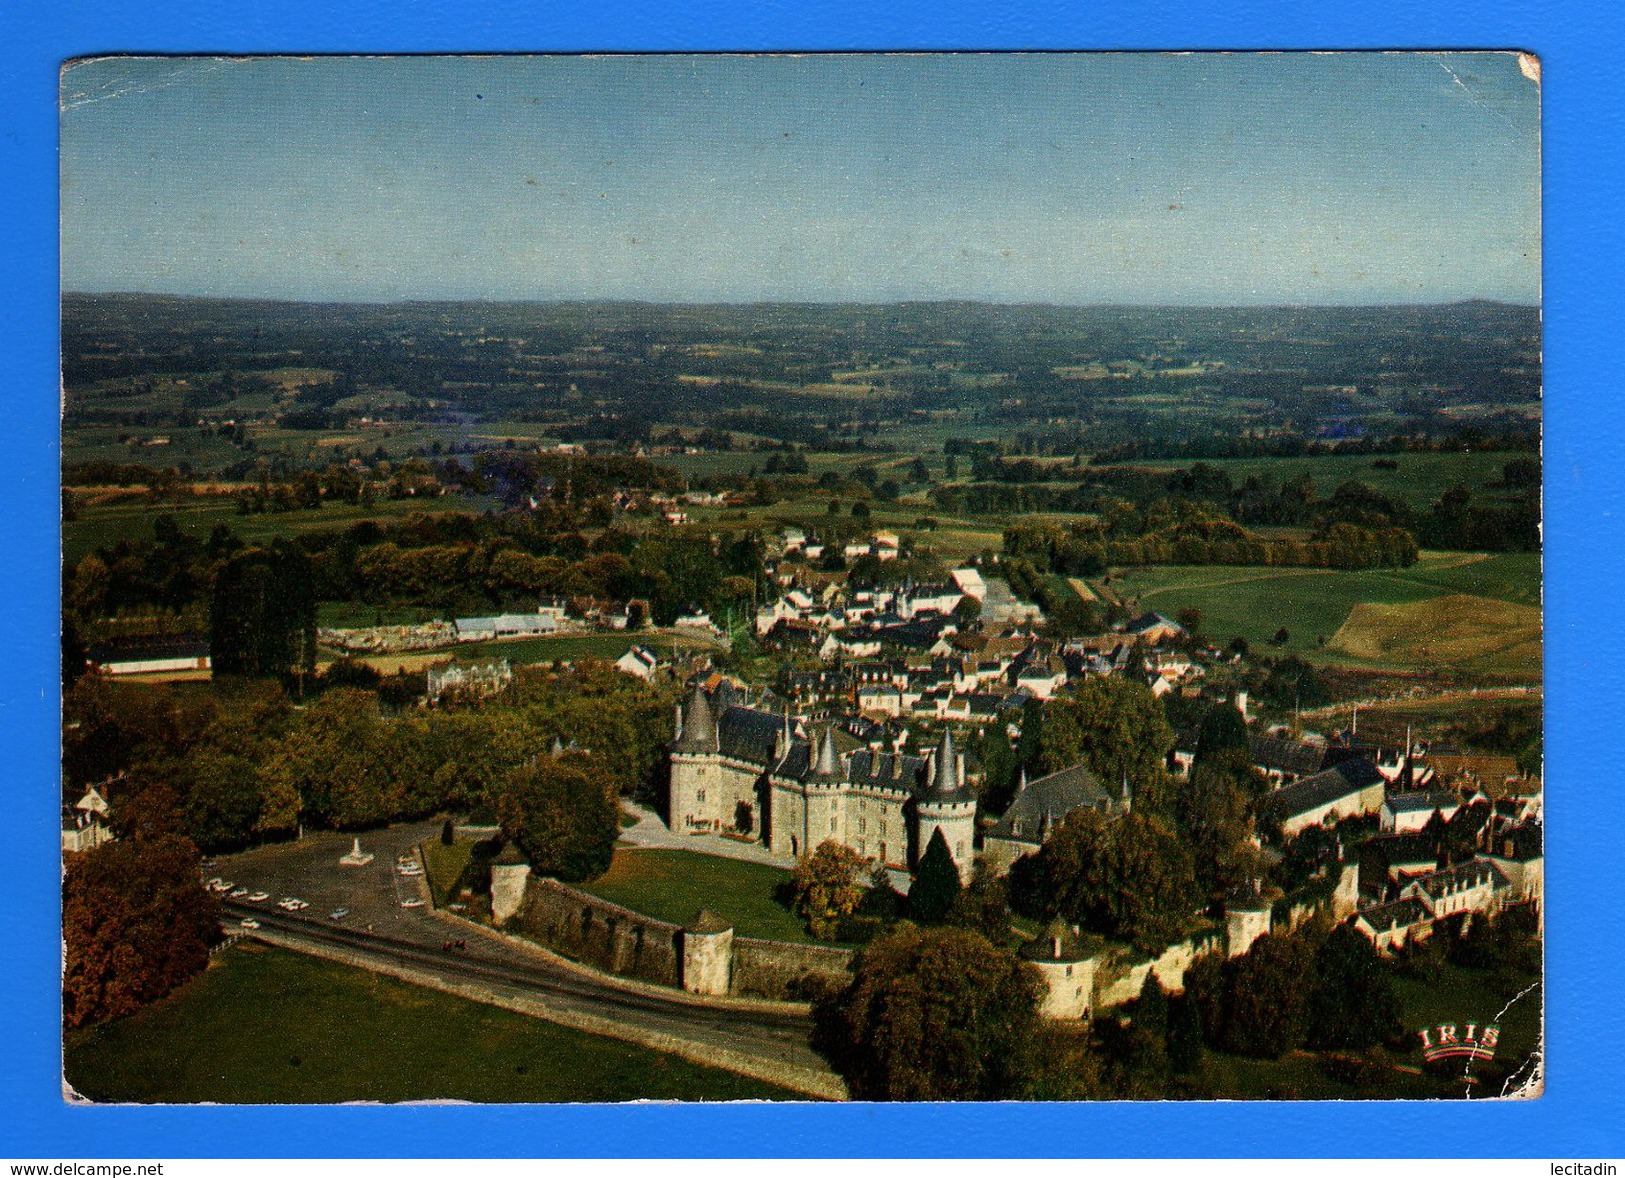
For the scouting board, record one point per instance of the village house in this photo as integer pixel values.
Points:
(1042, 805)
(640, 662)
(85, 823)
(1403, 813)
(1348, 788)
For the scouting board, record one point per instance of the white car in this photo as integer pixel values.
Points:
(414, 902)
(220, 885)
(214, 883)
(411, 871)
(249, 922)
(259, 897)
(239, 893)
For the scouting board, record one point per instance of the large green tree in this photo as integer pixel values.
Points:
(1210, 810)
(262, 616)
(933, 1014)
(1353, 1004)
(936, 884)
(1117, 728)
(337, 760)
(825, 886)
(563, 814)
(136, 922)
(1127, 877)
(1266, 997)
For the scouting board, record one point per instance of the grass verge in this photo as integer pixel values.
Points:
(269, 1026)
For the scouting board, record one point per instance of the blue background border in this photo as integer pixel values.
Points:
(1579, 44)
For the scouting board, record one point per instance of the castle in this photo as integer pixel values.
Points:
(745, 771)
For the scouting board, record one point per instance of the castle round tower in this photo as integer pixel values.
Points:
(948, 805)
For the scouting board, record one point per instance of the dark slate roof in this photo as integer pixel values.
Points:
(880, 770)
(1296, 757)
(147, 649)
(1474, 873)
(1149, 620)
(1402, 913)
(1521, 843)
(1414, 847)
(746, 734)
(1423, 800)
(1056, 943)
(1318, 790)
(1048, 801)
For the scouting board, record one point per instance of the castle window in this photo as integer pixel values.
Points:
(832, 824)
(699, 795)
(863, 825)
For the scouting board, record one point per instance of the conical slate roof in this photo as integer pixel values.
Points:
(946, 785)
(699, 724)
(828, 766)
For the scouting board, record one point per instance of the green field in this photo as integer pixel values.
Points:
(674, 885)
(105, 525)
(1420, 480)
(269, 1026)
(1314, 604)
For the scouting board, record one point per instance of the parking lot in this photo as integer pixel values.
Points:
(375, 895)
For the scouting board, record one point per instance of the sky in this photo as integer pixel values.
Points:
(1214, 179)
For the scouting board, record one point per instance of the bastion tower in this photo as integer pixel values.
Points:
(946, 804)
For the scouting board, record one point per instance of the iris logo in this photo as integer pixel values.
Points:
(1447, 1041)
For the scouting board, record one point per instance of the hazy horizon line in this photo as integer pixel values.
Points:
(579, 300)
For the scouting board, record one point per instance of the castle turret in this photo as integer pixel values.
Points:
(1067, 966)
(946, 804)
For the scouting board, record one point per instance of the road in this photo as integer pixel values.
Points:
(762, 1039)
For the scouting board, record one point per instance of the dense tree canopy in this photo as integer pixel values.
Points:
(1129, 878)
(1353, 1004)
(137, 923)
(563, 814)
(826, 888)
(1117, 728)
(933, 1014)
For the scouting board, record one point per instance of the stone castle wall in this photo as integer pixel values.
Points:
(600, 934)
(619, 941)
(778, 969)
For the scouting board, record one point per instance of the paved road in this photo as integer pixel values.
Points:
(378, 928)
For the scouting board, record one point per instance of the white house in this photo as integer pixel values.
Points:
(1403, 813)
(640, 662)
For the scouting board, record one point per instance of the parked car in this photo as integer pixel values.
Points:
(338, 913)
(239, 893)
(414, 902)
(259, 897)
(249, 922)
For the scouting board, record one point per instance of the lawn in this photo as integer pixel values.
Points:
(269, 1026)
(444, 865)
(674, 885)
